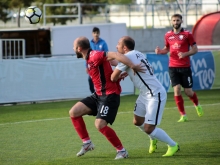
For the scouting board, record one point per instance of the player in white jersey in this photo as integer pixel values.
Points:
(151, 101)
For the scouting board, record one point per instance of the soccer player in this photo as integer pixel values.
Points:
(178, 41)
(151, 101)
(96, 44)
(104, 102)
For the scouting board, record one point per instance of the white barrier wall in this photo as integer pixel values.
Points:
(38, 79)
(63, 36)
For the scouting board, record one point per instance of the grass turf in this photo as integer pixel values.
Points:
(42, 134)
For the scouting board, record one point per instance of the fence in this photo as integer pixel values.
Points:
(12, 48)
(134, 15)
(41, 79)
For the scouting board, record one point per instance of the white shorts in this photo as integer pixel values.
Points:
(151, 107)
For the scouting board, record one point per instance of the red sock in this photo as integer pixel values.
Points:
(112, 137)
(194, 99)
(80, 128)
(180, 104)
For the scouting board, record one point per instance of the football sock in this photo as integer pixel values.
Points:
(194, 99)
(80, 128)
(112, 137)
(142, 129)
(161, 135)
(87, 141)
(121, 149)
(180, 104)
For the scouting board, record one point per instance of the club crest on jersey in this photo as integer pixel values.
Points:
(180, 37)
(176, 46)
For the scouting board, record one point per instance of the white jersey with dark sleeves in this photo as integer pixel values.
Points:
(147, 83)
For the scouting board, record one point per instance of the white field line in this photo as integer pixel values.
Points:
(32, 121)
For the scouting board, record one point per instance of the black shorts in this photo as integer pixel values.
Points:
(103, 107)
(182, 76)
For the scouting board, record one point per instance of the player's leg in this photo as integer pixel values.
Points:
(193, 97)
(175, 78)
(155, 108)
(139, 122)
(139, 118)
(107, 111)
(81, 108)
(188, 84)
(180, 103)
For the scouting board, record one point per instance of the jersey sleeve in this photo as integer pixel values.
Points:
(99, 57)
(166, 41)
(122, 67)
(191, 39)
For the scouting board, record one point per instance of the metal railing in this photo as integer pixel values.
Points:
(139, 15)
(12, 49)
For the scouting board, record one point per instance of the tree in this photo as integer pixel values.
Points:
(88, 8)
(18, 4)
(4, 12)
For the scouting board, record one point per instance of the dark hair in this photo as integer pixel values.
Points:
(95, 29)
(177, 15)
(83, 43)
(129, 42)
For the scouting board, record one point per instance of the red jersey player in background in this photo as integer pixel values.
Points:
(104, 102)
(178, 41)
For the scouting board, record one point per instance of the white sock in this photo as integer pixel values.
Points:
(123, 149)
(87, 141)
(161, 135)
(142, 129)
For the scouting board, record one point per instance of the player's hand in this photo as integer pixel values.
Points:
(139, 68)
(123, 75)
(157, 50)
(113, 62)
(181, 55)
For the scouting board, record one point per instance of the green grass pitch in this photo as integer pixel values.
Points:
(42, 134)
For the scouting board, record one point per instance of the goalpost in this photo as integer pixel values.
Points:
(209, 47)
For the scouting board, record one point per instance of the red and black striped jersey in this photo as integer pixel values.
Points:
(100, 70)
(176, 43)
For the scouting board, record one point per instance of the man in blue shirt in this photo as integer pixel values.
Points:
(96, 44)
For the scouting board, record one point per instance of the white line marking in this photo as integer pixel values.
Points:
(32, 121)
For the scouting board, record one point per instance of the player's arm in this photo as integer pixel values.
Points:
(115, 75)
(118, 75)
(113, 62)
(122, 58)
(165, 50)
(192, 51)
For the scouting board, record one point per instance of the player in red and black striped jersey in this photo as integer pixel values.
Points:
(104, 102)
(178, 42)
(100, 70)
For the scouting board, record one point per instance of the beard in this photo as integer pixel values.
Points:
(79, 55)
(176, 26)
